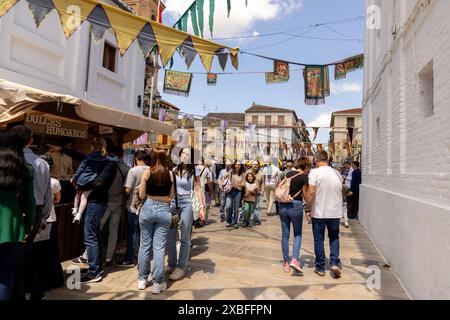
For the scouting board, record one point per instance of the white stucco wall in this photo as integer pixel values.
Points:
(44, 59)
(405, 195)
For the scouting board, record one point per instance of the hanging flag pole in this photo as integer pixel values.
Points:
(155, 63)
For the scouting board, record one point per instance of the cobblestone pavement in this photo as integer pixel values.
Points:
(246, 264)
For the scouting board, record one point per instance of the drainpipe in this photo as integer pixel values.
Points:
(88, 65)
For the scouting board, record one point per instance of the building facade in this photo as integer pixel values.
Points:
(277, 125)
(405, 194)
(44, 59)
(148, 9)
(339, 135)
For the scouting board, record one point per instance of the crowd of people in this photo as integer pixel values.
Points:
(161, 203)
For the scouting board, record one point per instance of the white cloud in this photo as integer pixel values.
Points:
(322, 120)
(345, 87)
(242, 18)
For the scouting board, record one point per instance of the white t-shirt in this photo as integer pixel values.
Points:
(133, 180)
(56, 187)
(44, 235)
(205, 175)
(348, 178)
(271, 174)
(328, 197)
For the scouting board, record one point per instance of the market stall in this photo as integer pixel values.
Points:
(71, 123)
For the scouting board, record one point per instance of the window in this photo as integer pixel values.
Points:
(255, 119)
(268, 120)
(281, 120)
(426, 91)
(350, 122)
(109, 57)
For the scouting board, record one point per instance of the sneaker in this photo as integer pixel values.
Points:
(169, 270)
(79, 260)
(177, 274)
(157, 288)
(336, 271)
(126, 264)
(101, 273)
(88, 278)
(286, 267)
(320, 273)
(229, 225)
(296, 266)
(109, 263)
(38, 297)
(142, 284)
(257, 223)
(236, 226)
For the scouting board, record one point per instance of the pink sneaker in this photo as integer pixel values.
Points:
(296, 266)
(286, 267)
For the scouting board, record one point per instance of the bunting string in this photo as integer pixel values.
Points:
(126, 28)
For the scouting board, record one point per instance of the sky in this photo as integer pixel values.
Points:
(236, 93)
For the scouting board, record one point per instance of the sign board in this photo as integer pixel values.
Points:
(46, 124)
(105, 130)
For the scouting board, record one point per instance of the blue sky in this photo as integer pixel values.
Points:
(236, 93)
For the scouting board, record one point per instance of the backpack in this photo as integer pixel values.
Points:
(282, 190)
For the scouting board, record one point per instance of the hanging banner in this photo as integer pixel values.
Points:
(349, 65)
(350, 134)
(314, 77)
(332, 148)
(339, 71)
(177, 83)
(316, 130)
(326, 85)
(281, 68)
(272, 78)
(354, 63)
(211, 79)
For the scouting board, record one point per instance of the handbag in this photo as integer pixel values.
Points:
(136, 202)
(176, 213)
(226, 185)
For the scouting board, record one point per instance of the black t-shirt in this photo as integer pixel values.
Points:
(297, 184)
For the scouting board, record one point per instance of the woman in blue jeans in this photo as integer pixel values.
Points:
(292, 213)
(233, 198)
(187, 183)
(157, 190)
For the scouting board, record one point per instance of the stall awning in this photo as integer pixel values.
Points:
(17, 99)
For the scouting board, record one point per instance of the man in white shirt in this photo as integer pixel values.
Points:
(324, 206)
(131, 184)
(271, 174)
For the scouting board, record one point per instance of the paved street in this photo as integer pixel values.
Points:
(245, 264)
